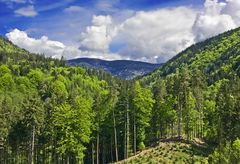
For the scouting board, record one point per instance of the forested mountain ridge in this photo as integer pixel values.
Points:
(53, 113)
(125, 69)
(12, 54)
(217, 57)
(42, 101)
(202, 87)
(8, 47)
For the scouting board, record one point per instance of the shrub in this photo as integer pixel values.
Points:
(141, 146)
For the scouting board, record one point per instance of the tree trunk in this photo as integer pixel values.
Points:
(126, 135)
(115, 136)
(134, 135)
(93, 158)
(125, 140)
(97, 153)
(31, 154)
(201, 124)
(127, 130)
(187, 128)
(111, 150)
(103, 152)
(67, 159)
(179, 118)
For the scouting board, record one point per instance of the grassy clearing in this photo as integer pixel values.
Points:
(167, 152)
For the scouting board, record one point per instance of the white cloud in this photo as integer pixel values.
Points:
(233, 9)
(41, 46)
(161, 34)
(147, 36)
(73, 9)
(153, 36)
(53, 49)
(28, 11)
(157, 34)
(212, 21)
(98, 36)
(73, 52)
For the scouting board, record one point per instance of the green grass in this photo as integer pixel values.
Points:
(172, 152)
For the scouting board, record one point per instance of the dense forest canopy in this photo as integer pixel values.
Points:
(53, 113)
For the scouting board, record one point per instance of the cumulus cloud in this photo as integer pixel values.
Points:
(28, 11)
(153, 36)
(233, 9)
(213, 20)
(99, 35)
(41, 46)
(157, 35)
(148, 36)
(52, 48)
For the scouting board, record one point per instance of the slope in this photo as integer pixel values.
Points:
(11, 54)
(172, 152)
(217, 57)
(42, 100)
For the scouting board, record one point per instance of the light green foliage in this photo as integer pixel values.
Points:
(59, 90)
(24, 85)
(58, 114)
(33, 111)
(204, 81)
(142, 106)
(6, 82)
(227, 104)
(73, 125)
(44, 103)
(5, 115)
(235, 151)
(4, 70)
(230, 153)
(36, 77)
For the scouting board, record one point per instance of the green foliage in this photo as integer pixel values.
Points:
(217, 58)
(51, 113)
(4, 70)
(230, 153)
(45, 104)
(141, 146)
(163, 154)
(142, 108)
(204, 82)
(73, 125)
(33, 111)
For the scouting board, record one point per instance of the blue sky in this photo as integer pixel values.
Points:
(113, 29)
(49, 11)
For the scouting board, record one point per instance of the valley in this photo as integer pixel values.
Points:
(55, 113)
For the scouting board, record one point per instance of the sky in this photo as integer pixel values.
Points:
(144, 30)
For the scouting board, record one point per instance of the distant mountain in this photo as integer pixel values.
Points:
(125, 69)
